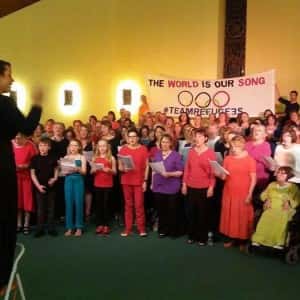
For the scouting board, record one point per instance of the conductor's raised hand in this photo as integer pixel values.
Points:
(37, 96)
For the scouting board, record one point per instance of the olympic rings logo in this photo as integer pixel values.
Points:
(203, 99)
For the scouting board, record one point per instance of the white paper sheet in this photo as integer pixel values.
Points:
(126, 161)
(88, 155)
(218, 169)
(271, 163)
(97, 166)
(157, 167)
(67, 166)
(219, 157)
(294, 179)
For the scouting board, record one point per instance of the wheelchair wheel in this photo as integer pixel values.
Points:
(249, 249)
(292, 257)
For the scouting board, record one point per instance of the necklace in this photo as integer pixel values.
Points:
(165, 154)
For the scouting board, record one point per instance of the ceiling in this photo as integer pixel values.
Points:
(9, 6)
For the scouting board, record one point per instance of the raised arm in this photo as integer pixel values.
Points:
(13, 120)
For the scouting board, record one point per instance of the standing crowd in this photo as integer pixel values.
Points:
(71, 174)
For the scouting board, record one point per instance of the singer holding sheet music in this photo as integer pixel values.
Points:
(198, 184)
(166, 186)
(259, 149)
(103, 168)
(134, 183)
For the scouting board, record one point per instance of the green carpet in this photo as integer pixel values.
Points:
(94, 267)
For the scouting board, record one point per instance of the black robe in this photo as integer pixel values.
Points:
(12, 121)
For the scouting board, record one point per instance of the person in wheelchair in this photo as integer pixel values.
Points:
(280, 199)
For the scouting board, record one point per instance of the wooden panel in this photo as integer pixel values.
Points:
(10, 6)
(235, 38)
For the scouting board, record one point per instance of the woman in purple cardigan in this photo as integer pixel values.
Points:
(166, 186)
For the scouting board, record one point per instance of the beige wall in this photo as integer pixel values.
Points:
(99, 43)
(273, 40)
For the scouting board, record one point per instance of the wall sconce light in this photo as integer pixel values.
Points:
(127, 97)
(128, 94)
(69, 98)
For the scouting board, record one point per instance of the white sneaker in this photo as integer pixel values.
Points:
(143, 234)
(255, 244)
(124, 234)
(278, 247)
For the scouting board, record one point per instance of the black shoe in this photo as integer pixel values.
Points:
(19, 229)
(26, 230)
(162, 235)
(39, 233)
(53, 232)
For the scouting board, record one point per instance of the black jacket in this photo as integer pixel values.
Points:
(12, 121)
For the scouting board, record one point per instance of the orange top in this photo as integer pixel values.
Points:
(144, 108)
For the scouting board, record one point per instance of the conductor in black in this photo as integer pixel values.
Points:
(12, 121)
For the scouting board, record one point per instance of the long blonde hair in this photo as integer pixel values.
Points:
(108, 152)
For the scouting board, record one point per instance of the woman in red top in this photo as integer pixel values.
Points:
(198, 184)
(112, 118)
(134, 182)
(24, 151)
(237, 211)
(104, 167)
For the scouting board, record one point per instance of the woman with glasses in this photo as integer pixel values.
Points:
(134, 182)
(280, 200)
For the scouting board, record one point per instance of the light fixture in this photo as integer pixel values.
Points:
(69, 98)
(128, 95)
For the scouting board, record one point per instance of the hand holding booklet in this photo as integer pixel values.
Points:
(127, 162)
(97, 166)
(217, 168)
(296, 178)
(158, 167)
(67, 166)
(88, 155)
(271, 163)
(219, 157)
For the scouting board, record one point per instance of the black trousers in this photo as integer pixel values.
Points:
(60, 198)
(169, 214)
(199, 214)
(45, 209)
(8, 239)
(215, 206)
(117, 205)
(8, 218)
(102, 205)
